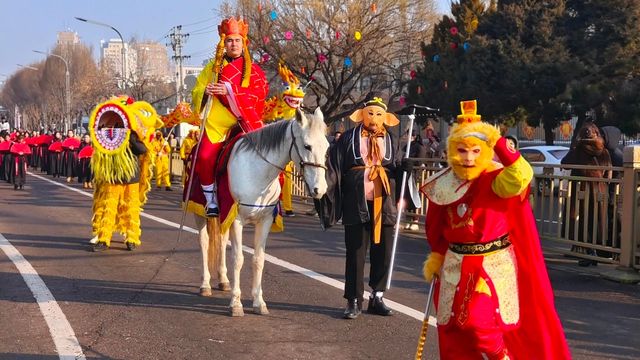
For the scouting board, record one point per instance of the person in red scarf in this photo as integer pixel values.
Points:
(493, 297)
(231, 90)
(20, 150)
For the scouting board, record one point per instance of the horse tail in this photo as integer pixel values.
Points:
(215, 240)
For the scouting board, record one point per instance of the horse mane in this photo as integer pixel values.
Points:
(265, 139)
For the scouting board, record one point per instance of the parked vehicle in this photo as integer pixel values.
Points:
(538, 156)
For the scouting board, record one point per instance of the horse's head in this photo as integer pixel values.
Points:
(310, 142)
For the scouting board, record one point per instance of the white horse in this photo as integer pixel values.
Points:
(254, 165)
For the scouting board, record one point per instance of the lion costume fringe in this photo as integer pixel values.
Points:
(122, 178)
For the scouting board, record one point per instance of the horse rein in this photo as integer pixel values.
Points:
(293, 145)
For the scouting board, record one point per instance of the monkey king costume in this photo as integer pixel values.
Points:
(361, 179)
(121, 130)
(493, 296)
(246, 88)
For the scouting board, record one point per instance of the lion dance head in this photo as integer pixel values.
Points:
(111, 126)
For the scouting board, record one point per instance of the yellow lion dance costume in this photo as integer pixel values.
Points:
(121, 130)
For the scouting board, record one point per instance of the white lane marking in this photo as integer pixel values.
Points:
(62, 334)
(418, 315)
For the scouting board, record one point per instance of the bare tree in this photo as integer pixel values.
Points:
(347, 49)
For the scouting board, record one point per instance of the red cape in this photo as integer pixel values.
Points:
(71, 143)
(20, 149)
(540, 335)
(86, 152)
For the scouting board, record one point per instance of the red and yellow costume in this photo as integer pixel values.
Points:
(493, 296)
(247, 89)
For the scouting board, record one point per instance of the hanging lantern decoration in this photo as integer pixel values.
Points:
(260, 6)
(413, 74)
(436, 58)
(454, 46)
(466, 46)
(322, 58)
(303, 70)
(419, 89)
(273, 15)
(337, 35)
(374, 8)
(266, 57)
(474, 24)
(446, 85)
(348, 62)
(358, 36)
(308, 33)
(288, 35)
(266, 40)
(402, 100)
(453, 31)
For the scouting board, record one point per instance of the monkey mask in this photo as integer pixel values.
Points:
(470, 144)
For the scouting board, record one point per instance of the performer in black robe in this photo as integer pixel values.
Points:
(69, 164)
(55, 156)
(20, 152)
(85, 175)
(361, 192)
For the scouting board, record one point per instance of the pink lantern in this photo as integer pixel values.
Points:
(402, 100)
(288, 35)
(453, 31)
(322, 58)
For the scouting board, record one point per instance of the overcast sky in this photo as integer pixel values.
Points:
(27, 25)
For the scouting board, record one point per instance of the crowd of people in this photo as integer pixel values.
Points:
(49, 152)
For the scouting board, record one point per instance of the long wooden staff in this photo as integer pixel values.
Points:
(425, 322)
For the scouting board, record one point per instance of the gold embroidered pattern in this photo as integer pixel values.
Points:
(477, 248)
(463, 314)
(501, 268)
(449, 279)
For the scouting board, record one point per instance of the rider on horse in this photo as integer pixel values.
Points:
(236, 90)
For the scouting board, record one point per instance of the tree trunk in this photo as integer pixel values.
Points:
(548, 135)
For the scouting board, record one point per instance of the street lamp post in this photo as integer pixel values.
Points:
(124, 55)
(67, 87)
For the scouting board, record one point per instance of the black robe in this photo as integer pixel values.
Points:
(84, 167)
(345, 197)
(69, 163)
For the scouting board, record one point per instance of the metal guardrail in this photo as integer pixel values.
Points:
(589, 218)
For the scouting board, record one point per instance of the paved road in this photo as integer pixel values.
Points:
(144, 305)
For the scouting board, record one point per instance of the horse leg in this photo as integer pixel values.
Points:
(223, 284)
(259, 243)
(238, 259)
(203, 236)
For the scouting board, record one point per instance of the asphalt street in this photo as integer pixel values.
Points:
(145, 304)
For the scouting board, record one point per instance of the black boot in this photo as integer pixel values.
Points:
(353, 309)
(377, 306)
(131, 246)
(99, 247)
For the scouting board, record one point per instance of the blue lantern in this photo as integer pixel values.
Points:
(466, 46)
(436, 58)
(348, 62)
(273, 14)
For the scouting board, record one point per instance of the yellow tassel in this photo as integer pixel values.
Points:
(114, 168)
(217, 64)
(246, 74)
(226, 225)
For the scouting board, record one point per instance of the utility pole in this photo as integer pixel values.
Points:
(177, 42)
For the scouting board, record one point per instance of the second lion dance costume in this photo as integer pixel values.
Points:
(121, 130)
(493, 296)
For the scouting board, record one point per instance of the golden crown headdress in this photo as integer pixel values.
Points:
(469, 112)
(231, 26)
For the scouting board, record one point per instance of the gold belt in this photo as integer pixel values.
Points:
(480, 248)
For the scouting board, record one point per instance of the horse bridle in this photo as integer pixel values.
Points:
(293, 145)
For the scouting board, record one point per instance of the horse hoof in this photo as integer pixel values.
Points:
(206, 292)
(261, 310)
(224, 286)
(237, 311)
